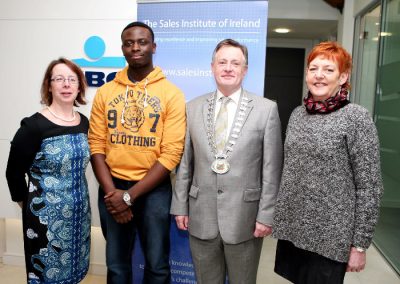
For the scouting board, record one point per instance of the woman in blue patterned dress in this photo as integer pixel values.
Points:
(51, 148)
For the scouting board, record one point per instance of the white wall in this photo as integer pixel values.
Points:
(30, 40)
(32, 33)
(301, 9)
(64, 9)
(346, 26)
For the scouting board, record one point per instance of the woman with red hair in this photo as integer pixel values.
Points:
(328, 202)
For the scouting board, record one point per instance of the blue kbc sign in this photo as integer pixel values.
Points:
(94, 49)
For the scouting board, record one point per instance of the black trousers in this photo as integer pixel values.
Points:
(305, 267)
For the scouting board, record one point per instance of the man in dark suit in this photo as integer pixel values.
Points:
(229, 175)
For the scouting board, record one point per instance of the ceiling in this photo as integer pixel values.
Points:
(338, 4)
(307, 29)
(303, 29)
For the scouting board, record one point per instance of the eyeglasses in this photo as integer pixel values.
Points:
(61, 80)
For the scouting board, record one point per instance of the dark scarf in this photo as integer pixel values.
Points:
(329, 105)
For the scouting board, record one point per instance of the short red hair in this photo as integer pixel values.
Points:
(333, 51)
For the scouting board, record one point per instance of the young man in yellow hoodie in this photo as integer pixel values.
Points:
(136, 137)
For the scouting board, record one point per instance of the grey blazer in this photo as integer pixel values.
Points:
(231, 203)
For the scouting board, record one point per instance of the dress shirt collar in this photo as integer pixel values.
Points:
(234, 97)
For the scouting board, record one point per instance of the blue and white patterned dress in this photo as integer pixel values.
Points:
(56, 211)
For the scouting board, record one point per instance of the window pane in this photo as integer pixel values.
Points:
(387, 116)
(368, 51)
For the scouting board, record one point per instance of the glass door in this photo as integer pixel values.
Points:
(367, 63)
(387, 118)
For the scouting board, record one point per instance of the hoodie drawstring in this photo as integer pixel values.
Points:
(125, 104)
(126, 100)
(145, 93)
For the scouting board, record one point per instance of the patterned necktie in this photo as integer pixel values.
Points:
(221, 125)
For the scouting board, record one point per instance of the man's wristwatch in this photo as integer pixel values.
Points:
(127, 198)
(359, 249)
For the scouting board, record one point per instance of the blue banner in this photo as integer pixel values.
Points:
(186, 34)
(182, 270)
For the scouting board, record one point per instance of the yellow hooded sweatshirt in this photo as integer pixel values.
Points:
(136, 124)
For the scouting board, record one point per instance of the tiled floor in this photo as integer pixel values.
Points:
(376, 272)
(387, 233)
(16, 275)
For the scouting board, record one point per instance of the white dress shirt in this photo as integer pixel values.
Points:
(231, 107)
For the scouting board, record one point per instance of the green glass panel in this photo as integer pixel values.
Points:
(368, 50)
(387, 117)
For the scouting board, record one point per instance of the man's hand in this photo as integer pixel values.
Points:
(124, 216)
(262, 230)
(182, 221)
(356, 261)
(114, 202)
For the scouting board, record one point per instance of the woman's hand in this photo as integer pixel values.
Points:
(356, 261)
